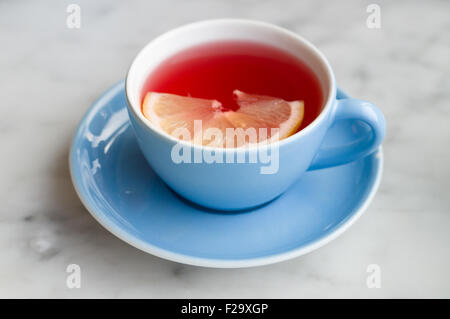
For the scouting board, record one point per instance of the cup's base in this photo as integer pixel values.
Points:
(220, 210)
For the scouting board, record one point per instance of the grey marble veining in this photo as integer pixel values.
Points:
(51, 74)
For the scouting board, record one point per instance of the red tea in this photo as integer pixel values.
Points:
(214, 70)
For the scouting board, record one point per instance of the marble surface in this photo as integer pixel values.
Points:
(51, 74)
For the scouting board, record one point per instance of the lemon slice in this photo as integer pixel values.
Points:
(174, 114)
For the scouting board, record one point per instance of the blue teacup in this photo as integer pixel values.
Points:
(234, 184)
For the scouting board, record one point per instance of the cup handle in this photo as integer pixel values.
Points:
(353, 109)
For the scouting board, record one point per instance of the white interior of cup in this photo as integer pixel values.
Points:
(190, 35)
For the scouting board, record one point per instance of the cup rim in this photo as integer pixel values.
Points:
(258, 146)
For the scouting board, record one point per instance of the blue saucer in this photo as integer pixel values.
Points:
(122, 192)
